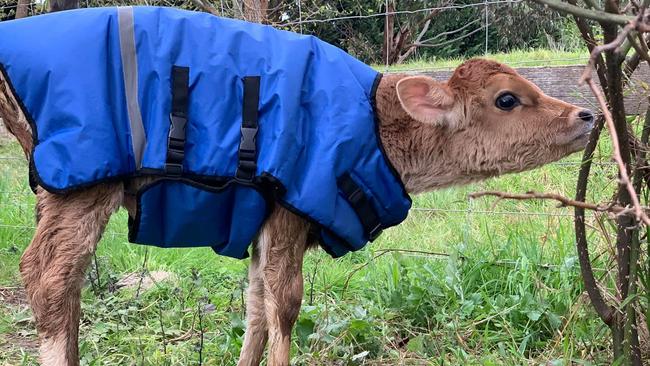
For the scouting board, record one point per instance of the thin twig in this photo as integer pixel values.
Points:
(586, 13)
(206, 7)
(586, 75)
(99, 287)
(564, 201)
(201, 331)
(635, 24)
(625, 179)
(142, 272)
(162, 329)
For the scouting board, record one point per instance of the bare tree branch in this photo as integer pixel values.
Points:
(413, 47)
(606, 47)
(613, 209)
(206, 7)
(625, 179)
(586, 13)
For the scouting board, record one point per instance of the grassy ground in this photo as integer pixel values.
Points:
(459, 283)
(521, 58)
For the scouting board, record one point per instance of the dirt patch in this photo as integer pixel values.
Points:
(143, 281)
(15, 349)
(21, 339)
(17, 342)
(4, 134)
(13, 296)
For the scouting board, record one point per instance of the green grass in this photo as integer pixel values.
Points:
(508, 293)
(520, 58)
(470, 283)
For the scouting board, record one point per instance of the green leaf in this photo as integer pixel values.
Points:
(534, 315)
(304, 328)
(416, 345)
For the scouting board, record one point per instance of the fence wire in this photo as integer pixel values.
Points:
(398, 12)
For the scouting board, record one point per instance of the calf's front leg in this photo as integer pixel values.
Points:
(53, 266)
(276, 288)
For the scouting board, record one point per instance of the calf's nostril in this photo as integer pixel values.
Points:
(586, 115)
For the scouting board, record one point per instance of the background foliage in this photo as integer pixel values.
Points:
(512, 25)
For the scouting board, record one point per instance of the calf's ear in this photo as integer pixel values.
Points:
(426, 100)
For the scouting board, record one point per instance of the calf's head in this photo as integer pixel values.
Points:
(485, 121)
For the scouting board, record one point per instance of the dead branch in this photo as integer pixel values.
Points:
(637, 24)
(625, 179)
(603, 309)
(586, 75)
(613, 209)
(587, 78)
(642, 49)
(206, 7)
(586, 13)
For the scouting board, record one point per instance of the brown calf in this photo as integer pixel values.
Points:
(485, 121)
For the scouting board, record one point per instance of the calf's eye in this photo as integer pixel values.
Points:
(507, 102)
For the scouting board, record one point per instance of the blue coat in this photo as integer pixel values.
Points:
(235, 116)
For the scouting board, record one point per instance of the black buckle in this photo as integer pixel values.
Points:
(174, 169)
(177, 127)
(175, 145)
(247, 144)
(177, 121)
(247, 155)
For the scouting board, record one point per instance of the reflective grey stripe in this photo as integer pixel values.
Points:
(130, 71)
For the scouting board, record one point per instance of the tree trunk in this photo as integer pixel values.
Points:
(255, 10)
(58, 5)
(22, 10)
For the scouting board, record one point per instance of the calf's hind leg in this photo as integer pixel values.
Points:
(275, 292)
(54, 264)
(283, 246)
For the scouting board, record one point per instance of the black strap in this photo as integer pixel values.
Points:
(362, 205)
(178, 120)
(249, 126)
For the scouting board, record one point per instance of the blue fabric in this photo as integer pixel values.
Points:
(233, 215)
(315, 114)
